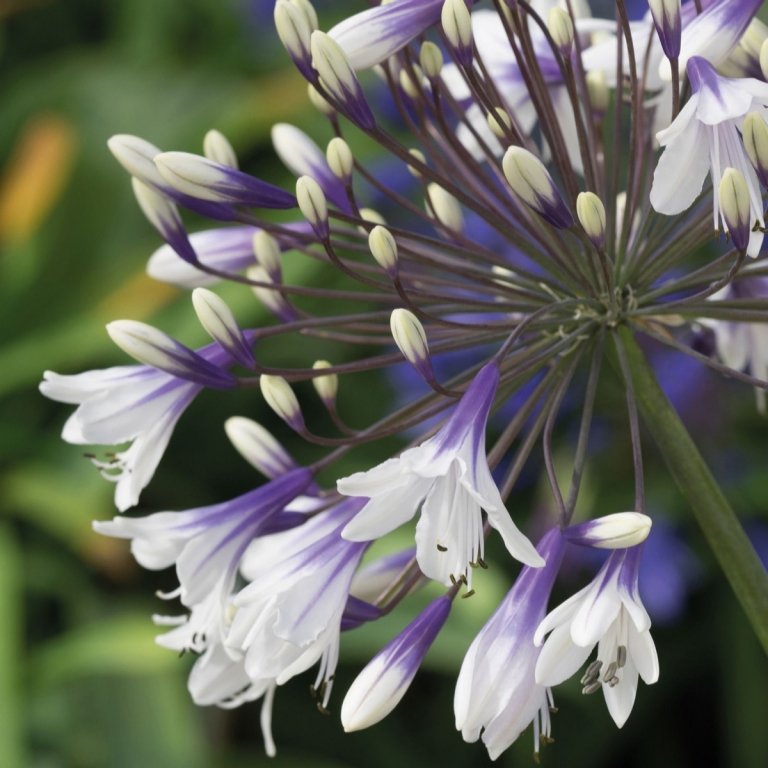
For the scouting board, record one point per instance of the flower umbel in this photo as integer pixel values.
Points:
(505, 238)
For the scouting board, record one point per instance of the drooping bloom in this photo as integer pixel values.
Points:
(450, 473)
(704, 140)
(135, 403)
(608, 613)
(378, 689)
(496, 692)
(289, 616)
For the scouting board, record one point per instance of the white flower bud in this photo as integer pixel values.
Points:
(326, 386)
(616, 531)
(294, 26)
(597, 86)
(411, 340)
(258, 447)
(431, 60)
(318, 101)
(457, 24)
(445, 207)
(266, 251)
(735, 207)
(137, 157)
(410, 86)
(561, 28)
(384, 249)
(340, 159)
(754, 37)
(371, 216)
(282, 400)
(419, 155)
(530, 180)
(216, 147)
(216, 317)
(159, 210)
(591, 213)
(312, 204)
(273, 300)
(754, 133)
(152, 347)
(499, 122)
(331, 63)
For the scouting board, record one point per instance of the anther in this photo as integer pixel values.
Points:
(610, 672)
(613, 682)
(591, 688)
(468, 594)
(482, 563)
(621, 656)
(441, 548)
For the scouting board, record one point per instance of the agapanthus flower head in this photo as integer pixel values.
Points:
(508, 239)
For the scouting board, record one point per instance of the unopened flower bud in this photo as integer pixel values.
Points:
(457, 25)
(266, 251)
(152, 347)
(431, 60)
(372, 217)
(163, 215)
(295, 20)
(411, 340)
(445, 207)
(754, 133)
(410, 86)
(340, 80)
(137, 157)
(340, 159)
(318, 101)
(597, 86)
(282, 400)
(735, 207)
(531, 181)
(499, 122)
(418, 155)
(378, 689)
(216, 147)
(258, 447)
(666, 17)
(312, 204)
(204, 179)
(754, 37)
(591, 213)
(218, 320)
(384, 249)
(271, 298)
(764, 59)
(616, 531)
(561, 28)
(326, 386)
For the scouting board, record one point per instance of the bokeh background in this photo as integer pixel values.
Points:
(82, 684)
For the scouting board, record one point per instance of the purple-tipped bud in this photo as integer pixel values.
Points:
(666, 17)
(282, 400)
(560, 27)
(735, 207)
(617, 531)
(220, 323)
(204, 179)
(530, 180)
(378, 689)
(411, 340)
(339, 79)
(152, 347)
(258, 447)
(295, 22)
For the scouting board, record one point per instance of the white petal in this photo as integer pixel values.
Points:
(560, 657)
(378, 479)
(681, 170)
(563, 614)
(643, 652)
(621, 698)
(596, 613)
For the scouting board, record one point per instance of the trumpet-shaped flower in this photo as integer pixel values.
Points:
(496, 692)
(607, 612)
(704, 139)
(450, 473)
(135, 403)
(290, 614)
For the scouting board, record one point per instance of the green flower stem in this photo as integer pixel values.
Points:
(718, 521)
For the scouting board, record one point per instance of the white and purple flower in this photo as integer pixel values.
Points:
(450, 473)
(608, 613)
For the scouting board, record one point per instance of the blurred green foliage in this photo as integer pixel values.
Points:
(82, 685)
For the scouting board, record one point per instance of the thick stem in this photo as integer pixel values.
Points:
(721, 527)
